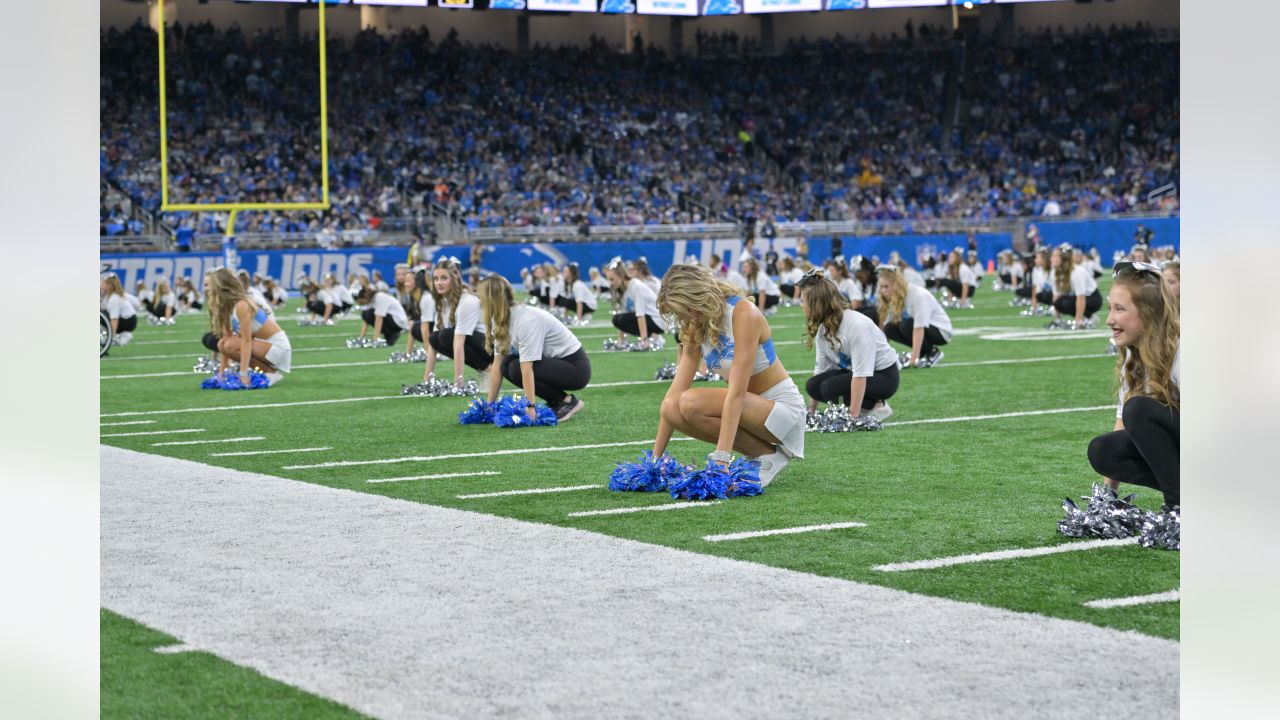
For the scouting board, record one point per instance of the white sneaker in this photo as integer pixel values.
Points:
(771, 465)
(881, 411)
(123, 338)
(482, 383)
(273, 378)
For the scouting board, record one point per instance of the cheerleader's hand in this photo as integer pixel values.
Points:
(532, 412)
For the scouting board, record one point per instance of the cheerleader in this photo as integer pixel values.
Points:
(246, 331)
(378, 284)
(1039, 290)
(384, 313)
(254, 293)
(188, 298)
(912, 316)
(580, 299)
(599, 283)
(459, 331)
(321, 301)
(419, 307)
(639, 269)
(976, 267)
(913, 276)
(145, 295)
(855, 365)
(1173, 275)
(638, 306)
(122, 313)
(342, 298)
(1075, 289)
(163, 302)
(959, 280)
(539, 354)
(1143, 447)
(1010, 270)
(838, 271)
(761, 286)
(275, 294)
(788, 278)
(761, 414)
(729, 275)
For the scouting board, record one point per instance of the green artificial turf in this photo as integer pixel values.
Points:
(924, 490)
(138, 682)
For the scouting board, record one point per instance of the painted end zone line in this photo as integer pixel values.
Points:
(1170, 596)
(153, 432)
(455, 456)
(1023, 413)
(128, 422)
(1004, 555)
(206, 442)
(531, 491)
(647, 508)
(782, 531)
(268, 452)
(441, 476)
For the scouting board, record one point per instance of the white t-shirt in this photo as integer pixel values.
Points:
(1083, 283)
(555, 287)
(654, 284)
(118, 307)
(967, 276)
(146, 295)
(735, 278)
(386, 306)
(279, 294)
(325, 296)
(1175, 377)
(168, 300)
(851, 290)
(1016, 270)
(134, 302)
(861, 347)
(258, 298)
(641, 300)
(792, 276)
(1040, 279)
(427, 308)
(763, 283)
(975, 268)
(583, 294)
(468, 315)
(913, 277)
(342, 295)
(537, 334)
(923, 308)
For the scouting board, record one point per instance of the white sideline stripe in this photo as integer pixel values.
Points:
(175, 649)
(782, 531)
(153, 432)
(441, 476)
(1170, 596)
(215, 408)
(269, 452)
(454, 456)
(531, 491)
(128, 422)
(1004, 555)
(188, 372)
(1051, 358)
(205, 442)
(646, 508)
(196, 355)
(1022, 413)
(1043, 335)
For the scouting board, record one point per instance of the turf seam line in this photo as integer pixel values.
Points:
(249, 438)
(1004, 555)
(268, 452)
(152, 432)
(1106, 603)
(127, 422)
(1020, 413)
(646, 508)
(530, 491)
(782, 531)
(455, 456)
(441, 476)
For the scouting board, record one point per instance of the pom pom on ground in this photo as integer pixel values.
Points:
(510, 412)
(1162, 530)
(646, 474)
(666, 372)
(1104, 515)
(364, 342)
(232, 381)
(432, 387)
(836, 418)
(418, 355)
(479, 412)
(205, 364)
(741, 478)
(211, 383)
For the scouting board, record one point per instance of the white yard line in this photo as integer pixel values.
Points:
(1019, 361)
(1170, 596)
(782, 531)
(127, 422)
(194, 355)
(1022, 413)
(206, 442)
(440, 476)
(153, 432)
(530, 491)
(455, 456)
(260, 406)
(1004, 555)
(646, 508)
(176, 373)
(269, 452)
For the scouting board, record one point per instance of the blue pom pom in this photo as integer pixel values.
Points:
(258, 381)
(512, 412)
(646, 474)
(741, 478)
(479, 412)
(211, 383)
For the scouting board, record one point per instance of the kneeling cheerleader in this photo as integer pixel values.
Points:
(639, 314)
(122, 313)
(912, 316)
(538, 353)
(761, 414)
(855, 365)
(385, 314)
(246, 331)
(459, 332)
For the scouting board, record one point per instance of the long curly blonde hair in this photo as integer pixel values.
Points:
(1062, 275)
(695, 297)
(496, 299)
(1146, 368)
(225, 291)
(824, 307)
(893, 297)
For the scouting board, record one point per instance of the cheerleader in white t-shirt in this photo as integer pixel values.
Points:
(537, 352)
(384, 313)
(599, 283)
(341, 298)
(728, 274)
(188, 298)
(144, 294)
(163, 303)
(788, 277)
(1038, 289)
(959, 279)
(459, 332)
(854, 364)
(1075, 289)
(912, 316)
(762, 288)
(639, 269)
(579, 299)
(121, 312)
(912, 276)
(418, 305)
(275, 294)
(636, 304)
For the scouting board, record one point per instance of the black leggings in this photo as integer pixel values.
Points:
(770, 301)
(551, 376)
(415, 329)
(833, 386)
(390, 330)
(473, 352)
(628, 323)
(568, 303)
(1066, 304)
(128, 324)
(315, 307)
(788, 290)
(869, 311)
(210, 341)
(1145, 452)
(900, 332)
(155, 308)
(955, 287)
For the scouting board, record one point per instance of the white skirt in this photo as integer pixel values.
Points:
(787, 419)
(281, 353)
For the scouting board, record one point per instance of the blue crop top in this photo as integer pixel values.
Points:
(723, 349)
(259, 319)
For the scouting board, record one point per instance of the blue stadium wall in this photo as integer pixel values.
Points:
(1109, 236)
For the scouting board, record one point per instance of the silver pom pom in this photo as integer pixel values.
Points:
(365, 342)
(612, 345)
(418, 355)
(904, 360)
(1104, 515)
(666, 372)
(708, 376)
(1111, 347)
(433, 387)
(836, 418)
(1162, 530)
(205, 364)
(314, 322)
